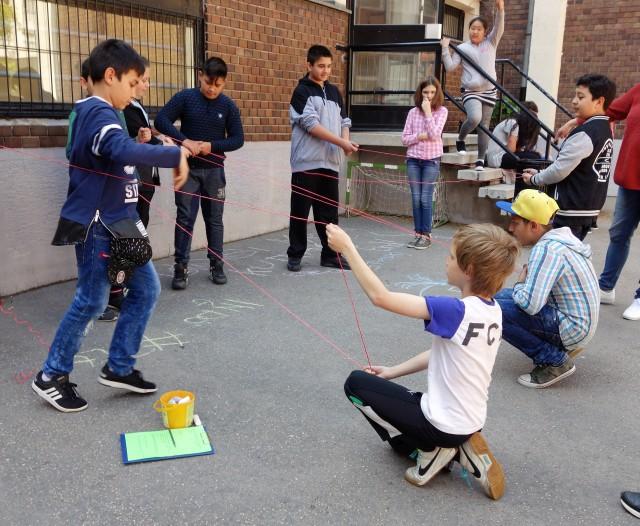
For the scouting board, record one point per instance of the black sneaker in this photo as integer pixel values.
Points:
(109, 314)
(335, 262)
(180, 277)
(479, 165)
(216, 272)
(60, 393)
(294, 264)
(461, 147)
(132, 382)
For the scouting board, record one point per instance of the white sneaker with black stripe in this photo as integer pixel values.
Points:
(429, 464)
(59, 392)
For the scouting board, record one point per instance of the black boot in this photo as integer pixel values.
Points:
(217, 274)
(180, 277)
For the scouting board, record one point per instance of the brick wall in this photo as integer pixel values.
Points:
(600, 37)
(32, 136)
(264, 43)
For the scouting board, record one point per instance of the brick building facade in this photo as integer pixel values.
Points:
(596, 35)
(265, 46)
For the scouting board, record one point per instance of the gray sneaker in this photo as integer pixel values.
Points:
(545, 375)
(422, 243)
(412, 244)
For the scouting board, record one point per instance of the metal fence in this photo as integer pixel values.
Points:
(43, 44)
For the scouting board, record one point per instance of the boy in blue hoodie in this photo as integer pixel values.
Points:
(552, 310)
(101, 205)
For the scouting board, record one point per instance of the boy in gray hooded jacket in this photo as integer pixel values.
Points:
(552, 310)
(319, 135)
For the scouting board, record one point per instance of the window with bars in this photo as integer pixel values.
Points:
(453, 23)
(43, 44)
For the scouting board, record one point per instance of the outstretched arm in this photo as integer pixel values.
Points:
(418, 363)
(405, 304)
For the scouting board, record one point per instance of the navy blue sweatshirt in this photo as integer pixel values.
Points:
(216, 121)
(101, 146)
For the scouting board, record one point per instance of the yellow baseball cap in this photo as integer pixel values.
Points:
(532, 205)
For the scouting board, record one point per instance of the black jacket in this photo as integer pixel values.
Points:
(136, 117)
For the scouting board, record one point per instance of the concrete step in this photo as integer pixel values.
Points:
(497, 191)
(488, 174)
(460, 158)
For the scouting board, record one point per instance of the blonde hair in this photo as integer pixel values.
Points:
(488, 254)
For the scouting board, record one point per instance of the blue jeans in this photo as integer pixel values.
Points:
(207, 182)
(422, 175)
(90, 300)
(625, 221)
(537, 336)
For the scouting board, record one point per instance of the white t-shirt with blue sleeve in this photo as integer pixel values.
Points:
(466, 337)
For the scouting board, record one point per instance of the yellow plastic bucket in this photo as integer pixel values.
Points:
(175, 416)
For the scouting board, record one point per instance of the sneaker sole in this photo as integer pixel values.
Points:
(219, 282)
(422, 248)
(127, 387)
(550, 382)
(495, 475)
(631, 510)
(630, 318)
(53, 403)
(179, 287)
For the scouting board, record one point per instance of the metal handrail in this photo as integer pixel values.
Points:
(481, 126)
(535, 84)
(502, 90)
(540, 133)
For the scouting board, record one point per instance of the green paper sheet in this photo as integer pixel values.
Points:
(158, 445)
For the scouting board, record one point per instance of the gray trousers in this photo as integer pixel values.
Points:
(477, 113)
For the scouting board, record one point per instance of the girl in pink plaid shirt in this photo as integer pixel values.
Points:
(423, 137)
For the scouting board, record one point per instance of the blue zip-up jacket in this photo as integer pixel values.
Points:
(560, 274)
(201, 119)
(312, 104)
(101, 146)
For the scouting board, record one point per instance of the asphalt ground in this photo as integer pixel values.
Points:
(290, 449)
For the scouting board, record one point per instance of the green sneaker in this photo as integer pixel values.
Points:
(545, 375)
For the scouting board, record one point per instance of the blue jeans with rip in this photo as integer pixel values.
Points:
(90, 300)
(537, 336)
(625, 221)
(422, 175)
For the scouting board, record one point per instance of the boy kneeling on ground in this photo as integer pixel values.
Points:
(444, 423)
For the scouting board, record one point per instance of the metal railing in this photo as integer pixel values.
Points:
(43, 44)
(521, 107)
(507, 62)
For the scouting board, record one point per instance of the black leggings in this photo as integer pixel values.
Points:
(395, 413)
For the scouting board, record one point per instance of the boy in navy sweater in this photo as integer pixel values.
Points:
(210, 126)
(101, 204)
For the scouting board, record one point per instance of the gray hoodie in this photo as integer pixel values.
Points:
(560, 274)
(312, 104)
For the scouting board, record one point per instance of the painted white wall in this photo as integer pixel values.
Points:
(545, 57)
(35, 186)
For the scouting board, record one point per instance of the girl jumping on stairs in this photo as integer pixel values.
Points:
(478, 94)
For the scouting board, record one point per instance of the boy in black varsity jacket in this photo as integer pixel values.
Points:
(319, 135)
(582, 168)
(100, 205)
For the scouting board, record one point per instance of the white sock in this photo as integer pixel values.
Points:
(46, 377)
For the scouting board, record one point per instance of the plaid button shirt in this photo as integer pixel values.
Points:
(417, 122)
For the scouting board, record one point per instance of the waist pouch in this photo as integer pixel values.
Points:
(130, 248)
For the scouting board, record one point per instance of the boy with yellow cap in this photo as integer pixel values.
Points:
(552, 310)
